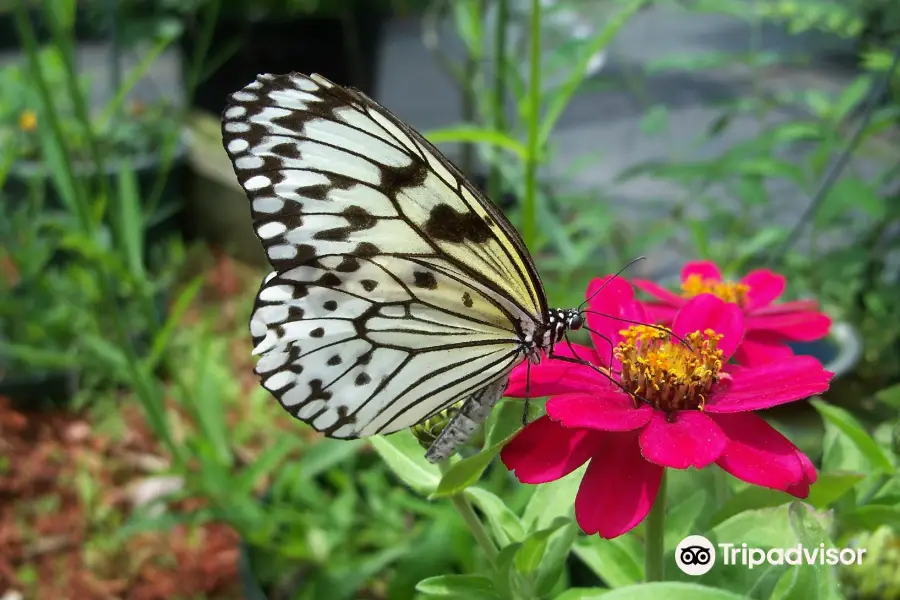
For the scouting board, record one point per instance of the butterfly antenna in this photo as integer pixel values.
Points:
(605, 283)
(633, 322)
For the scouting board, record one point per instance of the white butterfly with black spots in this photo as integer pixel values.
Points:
(398, 288)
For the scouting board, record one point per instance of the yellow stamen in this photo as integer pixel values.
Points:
(728, 291)
(27, 120)
(670, 374)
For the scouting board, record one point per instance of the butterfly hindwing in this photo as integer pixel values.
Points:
(371, 350)
(388, 263)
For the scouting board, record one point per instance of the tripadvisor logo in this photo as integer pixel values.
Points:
(696, 555)
(794, 555)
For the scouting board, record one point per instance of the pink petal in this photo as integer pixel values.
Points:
(687, 438)
(765, 386)
(611, 411)
(610, 312)
(758, 454)
(801, 325)
(707, 311)
(546, 451)
(660, 314)
(618, 488)
(704, 268)
(765, 287)
(651, 288)
(801, 490)
(555, 376)
(787, 307)
(761, 347)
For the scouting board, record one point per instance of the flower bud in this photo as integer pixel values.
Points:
(428, 430)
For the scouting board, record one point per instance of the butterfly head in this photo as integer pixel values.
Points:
(560, 321)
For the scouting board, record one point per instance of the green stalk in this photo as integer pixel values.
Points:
(499, 116)
(654, 528)
(465, 510)
(63, 40)
(149, 396)
(29, 43)
(529, 208)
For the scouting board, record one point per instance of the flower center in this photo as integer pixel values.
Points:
(671, 374)
(733, 292)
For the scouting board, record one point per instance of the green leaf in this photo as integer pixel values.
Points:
(557, 104)
(850, 194)
(873, 516)
(559, 546)
(504, 523)
(458, 587)
(177, 311)
(582, 594)
(405, 457)
(480, 135)
(750, 498)
(760, 528)
(795, 584)
(618, 562)
(670, 591)
(506, 419)
(811, 535)
(655, 120)
(129, 221)
(889, 395)
(797, 131)
(503, 570)
(681, 517)
(468, 471)
(831, 487)
(850, 97)
(552, 500)
(850, 427)
(266, 463)
(529, 556)
(839, 453)
(324, 455)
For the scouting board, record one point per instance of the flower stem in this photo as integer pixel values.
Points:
(529, 202)
(655, 527)
(465, 510)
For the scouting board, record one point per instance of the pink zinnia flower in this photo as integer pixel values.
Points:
(768, 326)
(697, 410)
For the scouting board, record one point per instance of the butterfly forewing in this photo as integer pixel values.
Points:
(398, 288)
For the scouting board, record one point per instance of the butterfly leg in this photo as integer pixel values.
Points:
(473, 413)
(527, 394)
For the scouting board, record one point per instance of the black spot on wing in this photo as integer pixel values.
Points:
(317, 392)
(425, 280)
(334, 360)
(358, 219)
(366, 250)
(449, 225)
(467, 299)
(317, 332)
(368, 284)
(348, 265)
(329, 305)
(329, 280)
(362, 379)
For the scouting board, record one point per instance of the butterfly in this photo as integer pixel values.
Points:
(398, 288)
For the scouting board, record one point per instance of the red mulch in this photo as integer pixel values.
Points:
(54, 545)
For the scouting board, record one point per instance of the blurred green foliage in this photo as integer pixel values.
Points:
(331, 519)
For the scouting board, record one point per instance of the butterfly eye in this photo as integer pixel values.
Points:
(576, 322)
